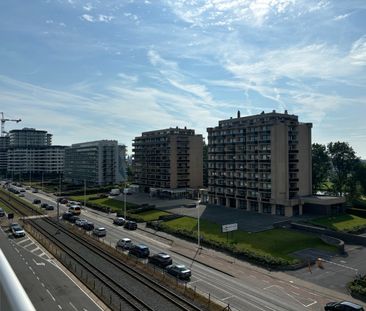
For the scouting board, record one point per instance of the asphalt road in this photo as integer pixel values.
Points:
(47, 286)
(246, 289)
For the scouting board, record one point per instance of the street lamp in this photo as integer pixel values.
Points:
(124, 213)
(198, 222)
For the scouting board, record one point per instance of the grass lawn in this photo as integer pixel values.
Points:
(80, 198)
(5, 208)
(277, 242)
(151, 215)
(115, 205)
(341, 223)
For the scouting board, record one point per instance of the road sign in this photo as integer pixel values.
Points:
(229, 227)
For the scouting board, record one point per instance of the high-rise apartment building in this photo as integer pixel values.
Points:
(168, 159)
(4, 145)
(97, 163)
(260, 163)
(29, 151)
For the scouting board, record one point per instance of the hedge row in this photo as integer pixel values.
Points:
(358, 287)
(357, 211)
(239, 251)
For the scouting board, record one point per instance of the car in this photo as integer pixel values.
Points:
(44, 205)
(75, 209)
(88, 226)
(62, 200)
(17, 230)
(179, 271)
(21, 189)
(119, 221)
(50, 208)
(73, 218)
(35, 190)
(343, 306)
(2, 213)
(100, 232)
(67, 216)
(21, 194)
(27, 188)
(140, 251)
(80, 222)
(161, 260)
(130, 225)
(36, 201)
(124, 243)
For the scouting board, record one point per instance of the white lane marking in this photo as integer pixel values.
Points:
(17, 250)
(223, 299)
(59, 307)
(42, 284)
(39, 263)
(37, 278)
(294, 286)
(252, 276)
(73, 306)
(268, 287)
(195, 281)
(30, 268)
(22, 241)
(33, 250)
(297, 294)
(32, 243)
(265, 281)
(313, 303)
(49, 293)
(26, 262)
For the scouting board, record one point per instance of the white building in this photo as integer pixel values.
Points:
(98, 162)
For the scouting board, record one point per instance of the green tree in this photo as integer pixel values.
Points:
(321, 166)
(344, 163)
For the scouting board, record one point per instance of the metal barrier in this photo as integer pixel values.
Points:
(12, 294)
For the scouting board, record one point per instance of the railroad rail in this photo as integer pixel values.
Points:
(136, 290)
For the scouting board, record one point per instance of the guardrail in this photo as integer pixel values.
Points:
(12, 294)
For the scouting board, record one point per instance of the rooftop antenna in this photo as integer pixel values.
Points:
(3, 120)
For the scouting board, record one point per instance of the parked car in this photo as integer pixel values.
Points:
(27, 188)
(125, 243)
(36, 201)
(343, 306)
(73, 218)
(50, 207)
(100, 232)
(44, 205)
(2, 213)
(130, 225)
(179, 271)
(35, 190)
(119, 221)
(161, 260)
(80, 222)
(17, 230)
(140, 251)
(21, 194)
(75, 209)
(62, 200)
(67, 215)
(88, 226)
(21, 189)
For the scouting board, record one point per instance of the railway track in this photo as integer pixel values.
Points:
(134, 289)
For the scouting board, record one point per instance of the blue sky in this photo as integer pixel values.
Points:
(111, 69)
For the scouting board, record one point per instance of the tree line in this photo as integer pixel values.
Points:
(337, 170)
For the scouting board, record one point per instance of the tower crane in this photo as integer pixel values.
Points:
(3, 120)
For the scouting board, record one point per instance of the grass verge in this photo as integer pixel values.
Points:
(345, 223)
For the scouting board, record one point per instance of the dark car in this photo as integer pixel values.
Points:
(44, 205)
(343, 306)
(130, 225)
(88, 226)
(50, 207)
(2, 213)
(36, 201)
(119, 221)
(67, 216)
(161, 260)
(179, 271)
(62, 200)
(73, 218)
(140, 251)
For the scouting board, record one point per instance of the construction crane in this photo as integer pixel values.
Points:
(3, 120)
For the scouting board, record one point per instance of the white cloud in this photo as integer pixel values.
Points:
(88, 18)
(358, 52)
(88, 7)
(340, 17)
(105, 18)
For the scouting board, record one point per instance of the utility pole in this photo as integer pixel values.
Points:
(84, 193)
(198, 222)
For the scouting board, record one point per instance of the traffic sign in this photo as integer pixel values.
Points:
(229, 227)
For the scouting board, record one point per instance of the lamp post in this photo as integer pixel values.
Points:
(84, 193)
(124, 213)
(198, 222)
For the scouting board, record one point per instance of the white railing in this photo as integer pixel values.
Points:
(12, 294)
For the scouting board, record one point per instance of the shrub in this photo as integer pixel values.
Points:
(358, 286)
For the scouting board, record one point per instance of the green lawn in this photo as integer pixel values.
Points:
(115, 205)
(5, 208)
(80, 198)
(151, 215)
(277, 242)
(345, 222)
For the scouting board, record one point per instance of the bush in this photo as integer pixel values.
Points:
(358, 287)
(359, 204)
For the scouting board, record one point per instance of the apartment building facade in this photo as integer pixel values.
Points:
(260, 163)
(30, 151)
(97, 163)
(168, 159)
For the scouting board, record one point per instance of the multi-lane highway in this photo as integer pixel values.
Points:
(242, 286)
